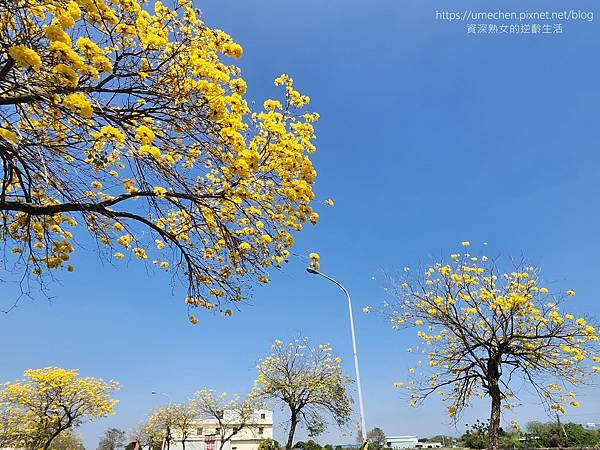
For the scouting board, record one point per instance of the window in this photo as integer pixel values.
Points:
(260, 430)
(263, 416)
(199, 431)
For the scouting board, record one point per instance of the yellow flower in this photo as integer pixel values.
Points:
(54, 33)
(271, 105)
(233, 50)
(8, 135)
(79, 104)
(160, 191)
(25, 57)
(193, 320)
(465, 243)
(67, 74)
(144, 135)
(140, 253)
(244, 246)
(571, 293)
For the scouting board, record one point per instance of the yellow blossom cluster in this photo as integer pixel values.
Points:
(134, 124)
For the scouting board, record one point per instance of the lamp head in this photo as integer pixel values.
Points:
(311, 270)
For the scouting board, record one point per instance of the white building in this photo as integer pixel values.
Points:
(400, 442)
(205, 434)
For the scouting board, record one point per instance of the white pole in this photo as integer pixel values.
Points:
(363, 427)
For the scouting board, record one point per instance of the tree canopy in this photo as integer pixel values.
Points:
(483, 328)
(129, 121)
(308, 381)
(49, 402)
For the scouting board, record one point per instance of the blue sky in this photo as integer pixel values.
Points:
(428, 137)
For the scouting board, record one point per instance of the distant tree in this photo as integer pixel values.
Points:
(308, 445)
(231, 415)
(113, 438)
(446, 441)
(328, 447)
(67, 441)
(268, 444)
(147, 436)
(553, 434)
(376, 436)
(483, 329)
(183, 420)
(161, 425)
(476, 436)
(307, 381)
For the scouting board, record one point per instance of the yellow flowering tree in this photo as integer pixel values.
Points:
(230, 415)
(130, 119)
(183, 416)
(483, 329)
(161, 425)
(308, 382)
(49, 402)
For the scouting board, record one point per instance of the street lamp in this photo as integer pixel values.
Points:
(160, 393)
(363, 427)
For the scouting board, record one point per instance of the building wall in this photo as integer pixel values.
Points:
(401, 442)
(205, 436)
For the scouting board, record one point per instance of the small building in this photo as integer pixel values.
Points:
(205, 434)
(400, 442)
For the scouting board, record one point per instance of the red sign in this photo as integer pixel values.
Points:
(209, 445)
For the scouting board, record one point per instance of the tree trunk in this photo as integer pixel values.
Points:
(54, 436)
(293, 423)
(496, 396)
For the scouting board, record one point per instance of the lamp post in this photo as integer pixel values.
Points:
(161, 393)
(363, 427)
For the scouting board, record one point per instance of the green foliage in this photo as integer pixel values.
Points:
(446, 441)
(376, 438)
(269, 444)
(552, 434)
(112, 439)
(476, 436)
(308, 445)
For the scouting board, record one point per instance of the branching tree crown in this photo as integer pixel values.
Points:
(48, 402)
(128, 119)
(112, 439)
(231, 415)
(161, 425)
(308, 381)
(483, 329)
